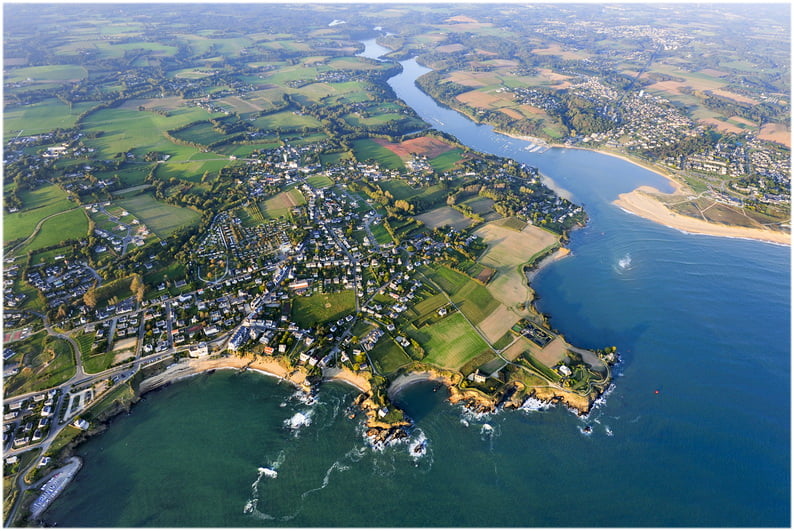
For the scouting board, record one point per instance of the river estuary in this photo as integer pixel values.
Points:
(694, 433)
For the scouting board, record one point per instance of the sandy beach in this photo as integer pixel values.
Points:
(639, 203)
(265, 365)
(643, 205)
(406, 380)
(191, 367)
(349, 377)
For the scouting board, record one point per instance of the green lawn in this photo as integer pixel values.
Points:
(322, 307)
(37, 204)
(450, 342)
(98, 362)
(380, 233)
(161, 218)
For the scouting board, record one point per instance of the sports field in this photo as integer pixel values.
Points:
(159, 217)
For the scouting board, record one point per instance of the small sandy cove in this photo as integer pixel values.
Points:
(267, 365)
(638, 202)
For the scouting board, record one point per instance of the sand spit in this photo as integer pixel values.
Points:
(641, 204)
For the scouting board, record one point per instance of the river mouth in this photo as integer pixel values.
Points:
(689, 322)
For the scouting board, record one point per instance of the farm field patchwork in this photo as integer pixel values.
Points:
(140, 131)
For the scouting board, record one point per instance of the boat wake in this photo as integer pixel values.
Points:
(624, 264)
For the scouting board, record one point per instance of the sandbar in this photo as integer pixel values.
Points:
(639, 203)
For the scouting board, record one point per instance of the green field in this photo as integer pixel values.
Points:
(41, 117)
(192, 170)
(69, 225)
(320, 181)
(48, 362)
(449, 280)
(450, 342)
(322, 307)
(388, 356)
(160, 218)
(398, 188)
(128, 175)
(139, 131)
(46, 74)
(473, 299)
(98, 362)
(367, 149)
(280, 204)
(380, 233)
(286, 121)
(200, 133)
(446, 161)
(37, 204)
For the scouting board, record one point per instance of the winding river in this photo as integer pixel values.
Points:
(695, 432)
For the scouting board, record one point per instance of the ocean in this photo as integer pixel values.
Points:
(695, 431)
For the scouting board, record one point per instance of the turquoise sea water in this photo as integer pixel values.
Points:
(704, 321)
